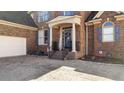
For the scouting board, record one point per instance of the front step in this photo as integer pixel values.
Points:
(59, 54)
(51, 53)
(63, 55)
(70, 56)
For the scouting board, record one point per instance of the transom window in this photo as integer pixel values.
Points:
(108, 32)
(43, 16)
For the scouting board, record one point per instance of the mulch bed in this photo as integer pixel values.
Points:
(105, 60)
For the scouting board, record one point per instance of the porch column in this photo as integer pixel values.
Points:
(73, 38)
(60, 39)
(50, 44)
(86, 39)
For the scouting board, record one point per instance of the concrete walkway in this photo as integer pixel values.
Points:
(32, 67)
(65, 73)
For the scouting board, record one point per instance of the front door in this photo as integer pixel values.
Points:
(67, 39)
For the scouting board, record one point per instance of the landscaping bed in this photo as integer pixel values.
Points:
(105, 60)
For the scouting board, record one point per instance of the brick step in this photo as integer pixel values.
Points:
(59, 54)
(70, 56)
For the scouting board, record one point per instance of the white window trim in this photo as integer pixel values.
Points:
(41, 42)
(108, 34)
(44, 37)
(40, 37)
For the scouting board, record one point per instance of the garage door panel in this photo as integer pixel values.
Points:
(12, 46)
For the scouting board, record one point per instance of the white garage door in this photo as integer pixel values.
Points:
(12, 46)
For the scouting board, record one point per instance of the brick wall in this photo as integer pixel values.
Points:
(80, 30)
(108, 14)
(43, 48)
(19, 32)
(91, 40)
(110, 49)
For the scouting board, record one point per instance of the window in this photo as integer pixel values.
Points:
(42, 37)
(45, 36)
(67, 13)
(43, 16)
(108, 32)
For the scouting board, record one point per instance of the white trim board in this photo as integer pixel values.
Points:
(119, 17)
(101, 12)
(98, 14)
(65, 19)
(94, 21)
(17, 25)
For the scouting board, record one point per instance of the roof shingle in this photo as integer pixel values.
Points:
(92, 14)
(20, 17)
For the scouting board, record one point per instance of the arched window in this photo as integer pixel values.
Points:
(108, 32)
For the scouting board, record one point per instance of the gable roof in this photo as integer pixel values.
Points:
(19, 17)
(97, 14)
(91, 16)
(101, 12)
(64, 19)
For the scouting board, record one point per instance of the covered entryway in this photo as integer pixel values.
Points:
(73, 20)
(64, 31)
(12, 46)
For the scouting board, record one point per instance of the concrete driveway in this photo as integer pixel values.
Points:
(32, 67)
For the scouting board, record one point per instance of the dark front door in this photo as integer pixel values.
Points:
(67, 39)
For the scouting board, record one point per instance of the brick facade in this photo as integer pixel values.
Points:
(80, 31)
(30, 35)
(110, 49)
(91, 40)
